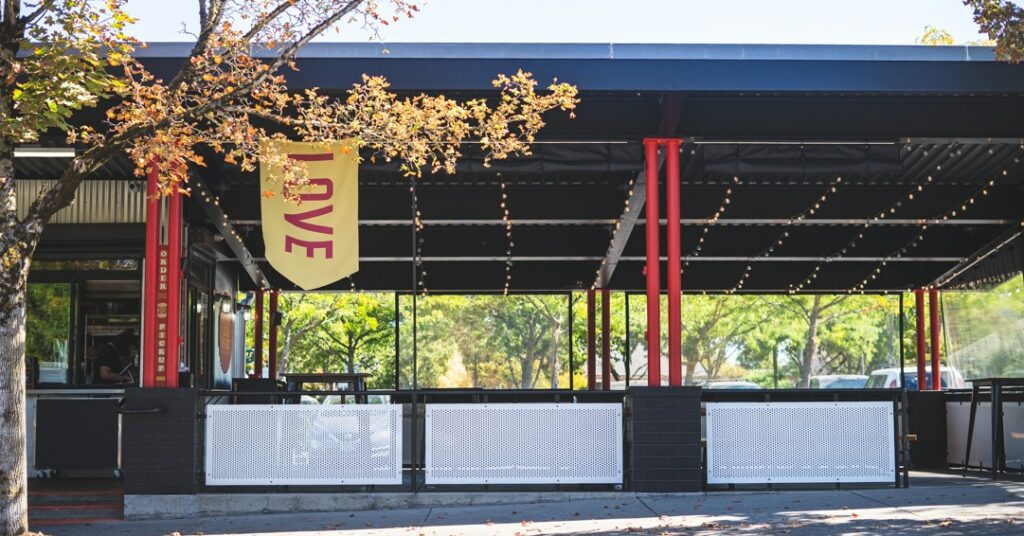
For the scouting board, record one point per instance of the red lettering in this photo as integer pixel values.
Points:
(310, 246)
(326, 195)
(299, 220)
(311, 157)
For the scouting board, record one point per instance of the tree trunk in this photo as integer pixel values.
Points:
(691, 366)
(15, 261)
(13, 496)
(556, 340)
(811, 347)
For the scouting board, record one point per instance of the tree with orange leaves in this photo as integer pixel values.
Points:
(58, 57)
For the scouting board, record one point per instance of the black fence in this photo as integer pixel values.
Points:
(663, 448)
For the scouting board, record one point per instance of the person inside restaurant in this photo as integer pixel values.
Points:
(116, 359)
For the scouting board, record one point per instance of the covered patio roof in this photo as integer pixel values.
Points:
(808, 168)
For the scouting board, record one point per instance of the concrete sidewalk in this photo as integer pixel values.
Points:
(970, 507)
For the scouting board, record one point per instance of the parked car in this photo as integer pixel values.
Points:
(731, 385)
(839, 381)
(888, 378)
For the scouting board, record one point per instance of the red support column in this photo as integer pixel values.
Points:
(272, 340)
(675, 361)
(653, 264)
(174, 291)
(606, 341)
(933, 309)
(919, 326)
(149, 293)
(162, 312)
(591, 343)
(257, 369)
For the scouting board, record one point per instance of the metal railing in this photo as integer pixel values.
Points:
(413, 414)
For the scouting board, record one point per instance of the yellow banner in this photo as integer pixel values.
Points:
(315, 242)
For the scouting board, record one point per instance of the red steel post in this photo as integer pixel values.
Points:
(257, 368)
(653, 264)
(591, 343)
(933, 310)
(149, 314)
(272, 340)
(606, 341)
(675, 362)
(174, 290)
(919, 326)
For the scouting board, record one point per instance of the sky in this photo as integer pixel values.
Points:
(896, 22)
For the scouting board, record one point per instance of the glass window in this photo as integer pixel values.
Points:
(48, 331)
(984, 331)
(487, 341)
(351, 332)
(766, 341)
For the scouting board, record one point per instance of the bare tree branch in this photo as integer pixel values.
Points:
(44, 7)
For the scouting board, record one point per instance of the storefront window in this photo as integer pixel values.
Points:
(48, 330)
(83, 323)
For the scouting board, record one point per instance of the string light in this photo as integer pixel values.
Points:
(618, 223)
(890, 210)
(984, 283)
(809, 211)
(954, 212)
(225, 223)
(507, 220)
(417, 260)
(726, 200)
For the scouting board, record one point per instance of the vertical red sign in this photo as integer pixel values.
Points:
(162, 293)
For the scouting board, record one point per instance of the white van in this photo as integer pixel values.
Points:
(888, 378)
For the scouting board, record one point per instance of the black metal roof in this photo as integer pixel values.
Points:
(787, 121)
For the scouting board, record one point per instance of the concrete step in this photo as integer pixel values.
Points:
(36, 523)
(91, 510)
(40, 497)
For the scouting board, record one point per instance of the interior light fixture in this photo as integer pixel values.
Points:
(44, 152)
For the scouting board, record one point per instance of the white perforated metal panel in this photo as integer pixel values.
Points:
(800, 442)
(524, 443)
(303, 444)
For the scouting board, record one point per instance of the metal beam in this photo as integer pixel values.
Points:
(856, 222)
(907, 222)
(497, 258)
(804, 259)
(456, 223)
(986, 251)
(626, 223)
(220, 221)
(671, 112)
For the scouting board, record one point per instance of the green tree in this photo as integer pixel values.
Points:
(302, 315)
(48, 322)
(935, 37)
(712, 327)
(361, 335)
(829, 334)
(985, 329)
(526, 332)
(1003, 22)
